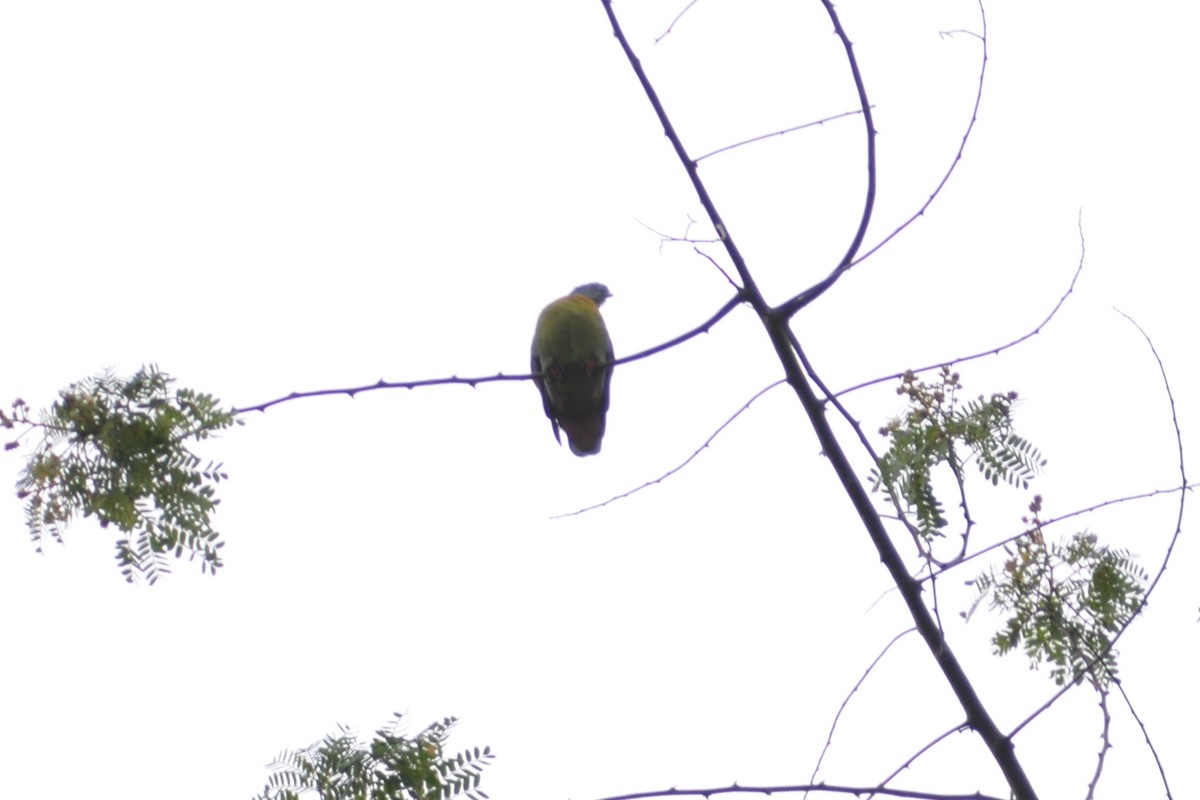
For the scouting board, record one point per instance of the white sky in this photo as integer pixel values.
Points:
(264, 197)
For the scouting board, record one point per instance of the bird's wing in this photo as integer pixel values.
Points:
(535, 366)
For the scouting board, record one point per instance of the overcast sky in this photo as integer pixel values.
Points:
(263, 197)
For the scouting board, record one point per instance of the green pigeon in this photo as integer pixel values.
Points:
(573, 355)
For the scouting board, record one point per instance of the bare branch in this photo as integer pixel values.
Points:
(704, 327)
(1183, 481)
(846, 701)
(994, 350)
(675, 21)
(382, 384)
(1047, 523)
(908, 762)
(665, 238)
(685, 462)
(789, 308)
(752, 294)
(735, 145)
(720, 269)
(1146, 735)
(1105, 745)
(963, 146)
(829, 788)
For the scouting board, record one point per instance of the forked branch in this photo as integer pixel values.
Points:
(776, 326)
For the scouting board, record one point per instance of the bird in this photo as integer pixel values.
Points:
(572, 363)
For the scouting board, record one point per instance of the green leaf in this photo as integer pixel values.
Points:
(117, 449)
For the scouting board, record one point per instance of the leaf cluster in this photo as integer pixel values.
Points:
(936, 430)
(1065, 602)
(391, 766)
(117, 449)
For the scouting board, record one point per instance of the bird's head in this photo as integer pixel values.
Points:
(596, 292)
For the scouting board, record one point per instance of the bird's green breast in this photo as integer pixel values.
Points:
(571, 331)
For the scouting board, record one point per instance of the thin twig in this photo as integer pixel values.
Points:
(845, 702)
(994, 350)
(735, 145)
(752, 293)
(664, 238)
(1146, 735)
(1078, 512)
(908, 762)
(678, 17)
(961, 148)
(695, 454)
(719, 268)
(704, 327)
(801, 787)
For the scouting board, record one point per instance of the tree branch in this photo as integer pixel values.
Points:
(776, 325)
(703, 327)
(1105, 745)
(750, 288)
(857, 684)
(908, 762)
(789, 308)
(695, 454)
(995, 350)
(1145, 734)
(957, 156)
(830, 788)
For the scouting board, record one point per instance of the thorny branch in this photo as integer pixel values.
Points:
(703, 327)
(776, 327)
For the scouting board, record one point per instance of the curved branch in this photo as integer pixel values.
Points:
(957, 156)
(703, 327)
(1183, 486)
(1146, 735)
(1048, 522)
(788, 309)
(754, 139)
(1183, 481)
(994, 350)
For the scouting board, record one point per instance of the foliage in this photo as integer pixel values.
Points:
(930, 433)
(117, 449)
(1066, 602)
(391, 767)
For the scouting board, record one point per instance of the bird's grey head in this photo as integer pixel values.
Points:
(597, 292)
